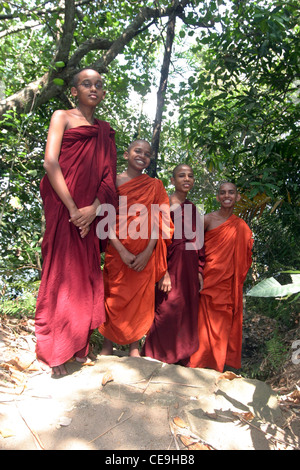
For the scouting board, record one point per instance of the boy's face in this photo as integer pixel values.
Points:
(184, 179)
(228, 195)
(139, 156)
(89, 89)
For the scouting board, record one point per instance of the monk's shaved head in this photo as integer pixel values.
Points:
(226, 182)
(179, 167)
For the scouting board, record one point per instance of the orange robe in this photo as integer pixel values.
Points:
(228, 251)
(129, 295)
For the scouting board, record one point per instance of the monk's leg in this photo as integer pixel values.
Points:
(58, 371)
(134, 349)
(107, 348)
(83, 360)
(82, 356)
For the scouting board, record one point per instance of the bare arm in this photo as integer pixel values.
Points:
(56, 130)
(206, 222)
(165, 284)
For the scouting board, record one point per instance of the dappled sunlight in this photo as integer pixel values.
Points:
(127, 403)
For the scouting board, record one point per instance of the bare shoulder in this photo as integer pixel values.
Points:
(60, 117)
(122, 178)
(173, 200)
(65, 118)
(210, 221)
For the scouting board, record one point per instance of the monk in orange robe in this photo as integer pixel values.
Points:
(228, 250)
(136, 258)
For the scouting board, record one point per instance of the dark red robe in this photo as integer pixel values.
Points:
(70, 303)
(173, 336)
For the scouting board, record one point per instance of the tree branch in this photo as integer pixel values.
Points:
(43, 89)
(40, 12)
(18, 28)
(65, 42)
(93, 44)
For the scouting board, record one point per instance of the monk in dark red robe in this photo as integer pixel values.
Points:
(81, 171)
(228, 250)
(173, 336)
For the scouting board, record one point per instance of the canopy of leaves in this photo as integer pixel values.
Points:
(231, 107)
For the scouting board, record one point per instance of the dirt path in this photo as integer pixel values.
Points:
(123, 403)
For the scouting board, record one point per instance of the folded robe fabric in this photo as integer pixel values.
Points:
(129, 295)
(70, 302)
(228, 251)
(173, 336)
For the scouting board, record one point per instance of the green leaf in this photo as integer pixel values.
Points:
(58, 81)
(60, 64)
(272, 288)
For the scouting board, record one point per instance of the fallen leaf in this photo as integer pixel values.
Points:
(247, 416)
(6, 433)
(211, 415)
(192, 444)
(179, 422)
(88, 363)
(228, 375)
(107, 377)
(295, 396)
(64, 421)
(15, 375)
(22, 363)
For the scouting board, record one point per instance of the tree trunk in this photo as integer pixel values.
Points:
(161, 93)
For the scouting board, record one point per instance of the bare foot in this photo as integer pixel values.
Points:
(58, 371)
(107, 348)
(134, 349)
(84, 360)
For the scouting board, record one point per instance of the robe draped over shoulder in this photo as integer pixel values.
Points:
(70, 302)
(129, 295)
(228, 251)
(173, 336)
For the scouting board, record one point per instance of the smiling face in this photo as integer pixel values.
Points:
(183, 178)
(88, 87)
(138, 155)
(228, 195)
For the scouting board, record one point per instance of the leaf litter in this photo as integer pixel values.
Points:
(18, 362)
(189, 439)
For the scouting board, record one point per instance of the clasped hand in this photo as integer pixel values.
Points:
(136, 262)
(82, 218)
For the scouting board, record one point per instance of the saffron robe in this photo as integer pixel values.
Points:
(173, 336)
(129, 295)
(70, 302)
(228, 251)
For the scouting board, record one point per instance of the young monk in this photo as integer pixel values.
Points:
(173, 336)
(133, 261)
(228, 249)
(80, 161)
